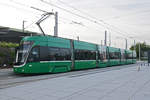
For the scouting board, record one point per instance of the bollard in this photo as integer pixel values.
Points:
(139, 68)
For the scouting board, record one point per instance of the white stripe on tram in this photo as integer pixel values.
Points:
(54, 61)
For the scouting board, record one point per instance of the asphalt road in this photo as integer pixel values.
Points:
(9, 79)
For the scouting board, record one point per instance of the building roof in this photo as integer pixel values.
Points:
(8, 34)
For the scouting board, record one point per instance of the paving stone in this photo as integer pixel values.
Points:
(123, 84)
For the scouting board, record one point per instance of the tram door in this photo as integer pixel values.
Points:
(44, 59)
(38, 59)
(34, 60)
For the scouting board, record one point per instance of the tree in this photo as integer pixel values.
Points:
(144, 48)
(7, 53)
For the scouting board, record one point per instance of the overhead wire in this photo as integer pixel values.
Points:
(128, 14)
(33, 22)
(93, 20)
(123, 33)
(96, 21)
(28, 6)
(63, 9)
(92, 17)
(24, 5)
(66, 10)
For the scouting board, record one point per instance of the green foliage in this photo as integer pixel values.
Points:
(144, 48)
(7, 53)
(1, 54)
(8, 45)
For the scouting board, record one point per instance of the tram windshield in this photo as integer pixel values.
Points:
(22, 52)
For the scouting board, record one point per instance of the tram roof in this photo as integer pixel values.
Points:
(47, 36)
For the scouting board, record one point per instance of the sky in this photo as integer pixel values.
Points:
(88, 19)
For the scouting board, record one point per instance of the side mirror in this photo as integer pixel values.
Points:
(16, 49)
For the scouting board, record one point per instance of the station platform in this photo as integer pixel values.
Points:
(132, 83)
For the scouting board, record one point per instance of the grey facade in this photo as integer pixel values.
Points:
(14, 35)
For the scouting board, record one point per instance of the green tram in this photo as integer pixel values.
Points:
(48, 54)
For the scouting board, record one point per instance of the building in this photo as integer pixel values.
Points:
(8, 34)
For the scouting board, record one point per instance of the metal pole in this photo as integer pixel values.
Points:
(109, 39)
(101, 42)
(139, 52)
(126, 44)
(78, 38)
(56, 24)
(134, 46)
(101, 46)
(40, 28)
(23, 26)
(105, 38)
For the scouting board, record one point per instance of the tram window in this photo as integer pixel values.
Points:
(114, 55)
(85, 55)
(53, 53)
(129, 56)
(117, 55)
(44, 53)
(122, 55)
(102, 56)
(77, 55)
(59, 54)
(111, 55)
(65, 54)
(34, 55)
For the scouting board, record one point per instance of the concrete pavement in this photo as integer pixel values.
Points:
(122, 84)
(9, 79)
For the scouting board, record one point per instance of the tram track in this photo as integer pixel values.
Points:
(9, 79)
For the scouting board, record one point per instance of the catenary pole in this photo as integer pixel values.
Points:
(105, 38)
(134, 46)
(56, 24)
(126, 44)
(139, 52)
(23, 26)
(109, 38)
